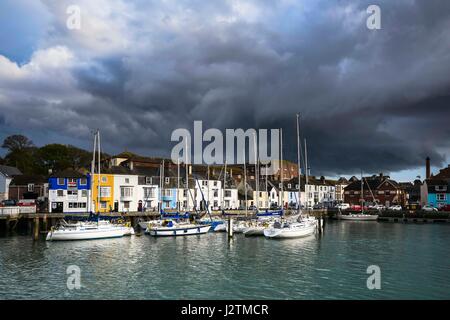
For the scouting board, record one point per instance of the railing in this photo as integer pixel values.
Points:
(13, 212)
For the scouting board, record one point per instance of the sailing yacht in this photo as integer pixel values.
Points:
(173, 228)
(295, 226)
(359, 216)
(87, 230)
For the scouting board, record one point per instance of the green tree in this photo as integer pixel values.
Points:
(17, 142)
(21, 154)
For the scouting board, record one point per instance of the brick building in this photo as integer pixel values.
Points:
(376, 189)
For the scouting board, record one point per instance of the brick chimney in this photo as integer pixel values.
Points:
(428, 168)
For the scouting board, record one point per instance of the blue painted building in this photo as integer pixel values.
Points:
(435, 192)
(69, 192)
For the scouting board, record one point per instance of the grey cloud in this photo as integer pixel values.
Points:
(371, 100)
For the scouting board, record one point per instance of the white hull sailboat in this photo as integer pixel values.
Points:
(239, 227)
(257, 229)
(296, 226)
(291, 229)
(176, 229)
(88, 231)
(254, 231)
(359, 217)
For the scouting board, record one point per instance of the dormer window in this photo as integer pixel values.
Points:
(167, 180)
(289, 185)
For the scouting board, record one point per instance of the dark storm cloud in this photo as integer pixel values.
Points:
(370, 100)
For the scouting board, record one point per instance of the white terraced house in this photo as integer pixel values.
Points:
(126, 195)
(6, 175)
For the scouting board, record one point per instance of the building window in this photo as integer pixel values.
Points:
(204, 183)
(167, 193)
(126, 192)
(167, 180)
(72, 192)
(105, 192)
(83, 181)
(228, 193)
(149, 192)
(61, 181)
(31, 187)
(104, 179)
(127, 180)
(215, 183)
(60, 193)
(103, 204)
(126, 205)
(148, 180)
(441, 197)
(216, 193)
(84, 193)
(441, 188)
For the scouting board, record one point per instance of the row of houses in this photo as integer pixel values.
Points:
(129, 184)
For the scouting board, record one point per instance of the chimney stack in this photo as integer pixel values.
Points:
(428, 168)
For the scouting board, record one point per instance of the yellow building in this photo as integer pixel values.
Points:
(106, 201)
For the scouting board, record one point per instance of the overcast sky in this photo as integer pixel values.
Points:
(371, 100)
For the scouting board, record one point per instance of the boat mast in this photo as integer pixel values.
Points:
(245, 182)
(256, 173)
(223, 187)
(282, 172)
(298, 164)
(91, 201)
(187, 179)
(362, 193)
(306, 176)
(207, 202)
(178, 185)
(99, 171)
(267, 194)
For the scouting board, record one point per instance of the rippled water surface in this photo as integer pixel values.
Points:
(414, 262)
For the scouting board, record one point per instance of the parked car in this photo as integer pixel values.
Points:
(26, 203)
(8, 203)
(293, 206)
(343, 206)
(274, 206)
(445, 208)
(379, 207)
(252, 207)
(357, 207)
(396, 207)
(429, 208)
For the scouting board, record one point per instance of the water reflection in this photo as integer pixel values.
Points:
(413, 260)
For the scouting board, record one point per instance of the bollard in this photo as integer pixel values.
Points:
(230, 228)
(44, 223)
(36, 229)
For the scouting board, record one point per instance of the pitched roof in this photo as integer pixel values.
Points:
(443, 173)
(22, 180)
(68, 173)
(9, 171)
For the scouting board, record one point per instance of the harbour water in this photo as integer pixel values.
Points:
(414, 261)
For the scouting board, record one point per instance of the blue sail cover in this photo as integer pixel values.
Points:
(174, 215)
(270, 213)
